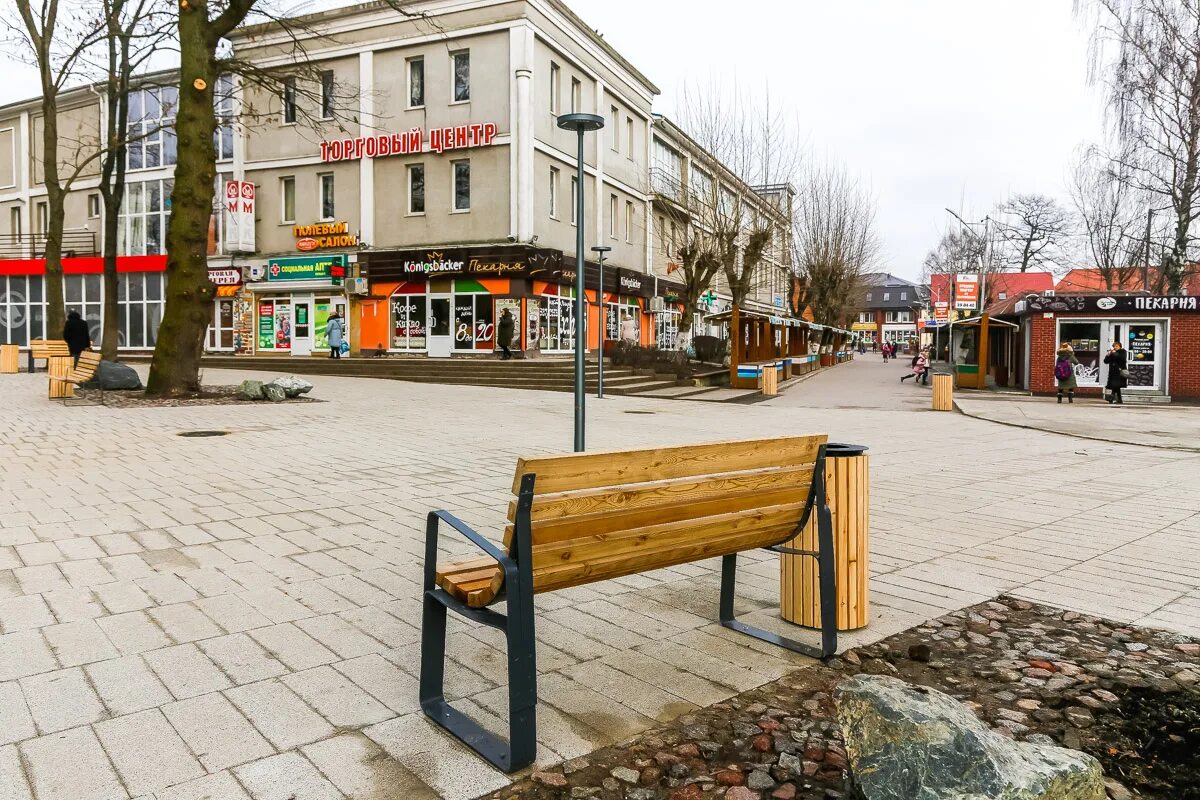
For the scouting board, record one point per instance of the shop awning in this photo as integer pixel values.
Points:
(228, 291)
(774, 319)
(974, 322)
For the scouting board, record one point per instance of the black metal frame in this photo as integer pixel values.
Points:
(520, 749)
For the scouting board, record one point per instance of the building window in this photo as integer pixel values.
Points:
(14, 221)
(142, 222)
(554, 192)
(887, 296)
(416, 82)
(574, 200)
(327, 94)
(22, 308)
(461, 63)
(614, 128)
(555, 87)
(84, 293)
(462, 184)
(223, 106)
(327, 207)
(43, 217)
(287, 201)
(629, 136)
(904, 295)
(151, 132)
(289, 100)
(140, 308)
(672, 247)
(576, 95)
(409, 317)
(612, 216)
(629, 220)
(93, 206)
(416, 188)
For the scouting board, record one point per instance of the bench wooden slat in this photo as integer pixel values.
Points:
(47, 348)
(59, 367)
(562, 505)
(85, 370)
(475, 582)
(591, 470)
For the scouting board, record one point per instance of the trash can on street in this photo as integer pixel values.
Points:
(9, 357)
(943, 392)
(770, 380)
(847, 491)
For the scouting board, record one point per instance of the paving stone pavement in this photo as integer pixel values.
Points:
(238, 617)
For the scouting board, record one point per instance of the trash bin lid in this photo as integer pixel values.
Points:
(839, 450)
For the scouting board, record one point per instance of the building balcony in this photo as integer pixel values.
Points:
(75, 244)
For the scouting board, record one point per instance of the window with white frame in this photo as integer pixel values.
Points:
(327, 89)
(614, 128)
(416, 82)
(93, 206)
(151, 131)
(43, 217)
(574, 200)
(461, 172)
(22, 308)
(140, 303)
(287, 200)
(142, 221)
(223, 106)
(554, 173)
(629, 214)
(84, 293)
(327, 205)
(416, 188)
(629, 136)
(887, 296)
(667, 171)
(612, 216)
(289, 100)
(576, 96)
(14, 221)
(460, 63)
(555, 87)
(217, 220)
(701, 185)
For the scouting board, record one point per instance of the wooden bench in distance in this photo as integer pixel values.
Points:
(45, 349)
(590, 517)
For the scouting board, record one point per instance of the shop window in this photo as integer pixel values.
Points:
(461, 170)
(287, 201)
(416, 188)
(416, 82)
(622, 321)
(461, 68)
(142, 220)
(84, 293)
(474, 321)
(327, 206)
(408, 317)
(1085, 339)
(666, 329)
(289, 100)
(557, 322)
(274, 323)
(140, 304)
(22, 309)
(327, 94)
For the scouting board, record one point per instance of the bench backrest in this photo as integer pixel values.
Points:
(596, 516)
(46, 348)
(85, 370)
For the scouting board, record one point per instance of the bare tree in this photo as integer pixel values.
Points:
(960, 250)
(1033, 228)
(58, 34)
(1146, 53)
(836, 242)
(1110, 211)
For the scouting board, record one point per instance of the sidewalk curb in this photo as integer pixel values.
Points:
(1176, 448)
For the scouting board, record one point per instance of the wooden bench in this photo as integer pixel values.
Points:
(66, 373)
(589, 517)
(45, 349)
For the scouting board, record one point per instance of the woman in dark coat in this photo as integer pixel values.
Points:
(1118, 372)
(76, 335)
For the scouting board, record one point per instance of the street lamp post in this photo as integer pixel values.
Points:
(600, 250)
(581, 124)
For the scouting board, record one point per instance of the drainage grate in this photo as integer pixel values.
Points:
(201, 434)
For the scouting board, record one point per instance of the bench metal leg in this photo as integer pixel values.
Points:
(520, 749)
(828, 581)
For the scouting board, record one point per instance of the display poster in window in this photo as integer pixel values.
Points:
(513, 306)
(464, 322)
(1142, 347)
(283, 326)
(321, 318)
(612, 322)
(533, 339)
(485, 326)
(266, 326)
(1084, 338)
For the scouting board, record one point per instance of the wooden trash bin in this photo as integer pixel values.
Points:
(943, 392)
(59, 368)
(770, 380)
(10, 355)
(847, 488)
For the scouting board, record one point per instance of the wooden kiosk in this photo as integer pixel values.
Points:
(971, 339)
(760, 342)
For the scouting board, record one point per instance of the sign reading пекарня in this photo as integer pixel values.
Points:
(415, 140)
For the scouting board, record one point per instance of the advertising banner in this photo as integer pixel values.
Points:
(941, 310)
(966, 292)
(239, 217)
(329, 269)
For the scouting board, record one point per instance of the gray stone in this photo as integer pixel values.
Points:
(250, 390)
(912, 743)
(759, 781)
(274, 393)
(112, 376)
(293, 386)
(626, 774)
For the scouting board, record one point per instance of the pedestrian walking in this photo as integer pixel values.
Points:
(334, 332)
(1064, 372)
(874, 346)
(76, 335)
(919, 364)
(504, 333)
(1118, 373)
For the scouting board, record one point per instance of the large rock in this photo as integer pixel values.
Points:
(293, 386)
(274, 393)
(112, 376)
(912, 743)
(250, 390)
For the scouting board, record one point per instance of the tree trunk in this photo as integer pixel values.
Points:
(56, 313)
(112, 328)
(175, 368)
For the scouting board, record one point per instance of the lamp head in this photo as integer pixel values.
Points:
(581, 123)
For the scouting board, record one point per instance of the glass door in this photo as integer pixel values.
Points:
(1143, 343)
(220, 333)
(302, 326)
(440, 326)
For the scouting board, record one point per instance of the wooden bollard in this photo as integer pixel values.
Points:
(943, 392)
(847, 491)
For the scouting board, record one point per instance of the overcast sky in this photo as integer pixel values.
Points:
(933, 103)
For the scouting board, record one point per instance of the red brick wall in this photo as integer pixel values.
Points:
(1183, 370)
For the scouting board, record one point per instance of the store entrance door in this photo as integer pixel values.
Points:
(1143, 341)
(302, 326)
(440, 325)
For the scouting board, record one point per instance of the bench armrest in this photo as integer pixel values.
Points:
(432, 527)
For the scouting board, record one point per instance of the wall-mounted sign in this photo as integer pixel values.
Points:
(487, 261)
(239, 217)
(966, 291)
(225, 277)
(414, 140)
(1110, 304)
(324, 235)
(330, 269)
(941, 310)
